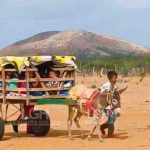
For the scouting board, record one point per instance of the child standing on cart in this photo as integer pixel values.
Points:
(52, 75)
(52, 84)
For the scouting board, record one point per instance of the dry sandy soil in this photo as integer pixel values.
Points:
(132, 129)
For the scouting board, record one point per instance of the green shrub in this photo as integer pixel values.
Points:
(93, 86)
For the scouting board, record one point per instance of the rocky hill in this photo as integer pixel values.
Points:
(83, 44)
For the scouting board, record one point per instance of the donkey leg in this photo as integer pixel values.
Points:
(77, 122)
(70, 117)
(95, 126)
(99, 127)
(99, 132)
(92, 131)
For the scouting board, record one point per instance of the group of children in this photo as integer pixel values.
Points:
(12, 77)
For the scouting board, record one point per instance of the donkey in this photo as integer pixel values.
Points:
(100, 101)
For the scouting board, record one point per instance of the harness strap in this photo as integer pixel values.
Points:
(90, 101)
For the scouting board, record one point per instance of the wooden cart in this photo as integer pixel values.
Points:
(38, 122)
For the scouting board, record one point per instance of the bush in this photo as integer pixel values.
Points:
(93, 86)
(122, 63)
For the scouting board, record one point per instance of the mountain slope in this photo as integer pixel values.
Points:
(83, 44)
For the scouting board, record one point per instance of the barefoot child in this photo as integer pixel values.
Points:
(109, 87)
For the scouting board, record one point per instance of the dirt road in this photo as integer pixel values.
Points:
(132, 129)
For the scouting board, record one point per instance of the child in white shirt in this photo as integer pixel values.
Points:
(111, 84)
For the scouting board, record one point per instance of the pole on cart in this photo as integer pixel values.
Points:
(27, 85)
(3, 86)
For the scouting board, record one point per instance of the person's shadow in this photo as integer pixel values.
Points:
(52, 133)
(121, 136)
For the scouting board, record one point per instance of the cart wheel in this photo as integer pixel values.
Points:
(110, 129)
(39, 123)
(2, 128)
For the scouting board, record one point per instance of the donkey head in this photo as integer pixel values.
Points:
(115, 99)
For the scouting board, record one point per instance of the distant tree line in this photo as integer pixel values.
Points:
(123, 64)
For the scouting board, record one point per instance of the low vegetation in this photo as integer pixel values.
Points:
(123, 64)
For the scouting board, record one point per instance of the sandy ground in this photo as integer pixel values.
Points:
(132, 129)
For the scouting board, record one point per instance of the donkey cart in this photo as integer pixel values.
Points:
(32, 71)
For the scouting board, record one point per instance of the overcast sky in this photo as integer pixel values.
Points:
(127, 19)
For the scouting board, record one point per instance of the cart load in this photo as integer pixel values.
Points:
(34, 73)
